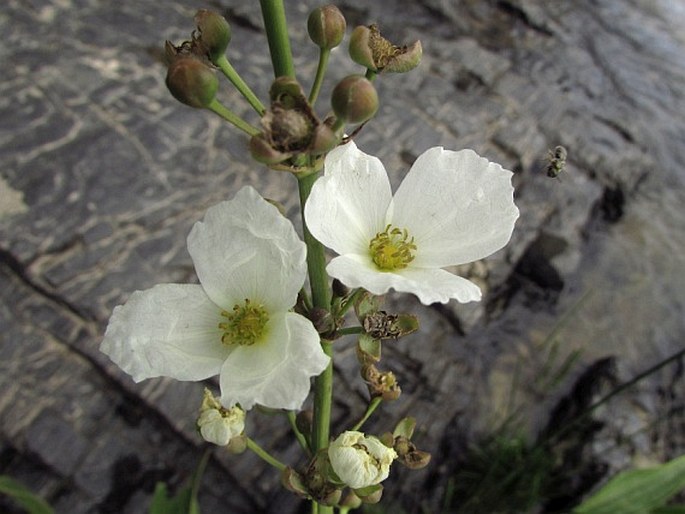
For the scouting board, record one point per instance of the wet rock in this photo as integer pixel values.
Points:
(113, 172)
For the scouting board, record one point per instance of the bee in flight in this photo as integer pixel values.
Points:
(556, 161)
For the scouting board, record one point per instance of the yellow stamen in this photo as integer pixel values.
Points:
(245, 325)
(392, 249)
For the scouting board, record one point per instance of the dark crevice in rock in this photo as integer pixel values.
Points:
(450, 316)
(620, 130)
(518, 13)
(19, 270)
(240, 20)
(534, 275)
(612, 204)
(127, 477)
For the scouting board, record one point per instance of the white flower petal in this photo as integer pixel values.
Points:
(347, 206)
(219, 427)
(458, 206)
(245, 249)
(359, 460)
(170, 330)
(429, 284)
(275, 372)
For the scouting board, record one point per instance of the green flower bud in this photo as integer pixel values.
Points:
(354, 99)
(191, 81)
(214, 33)
(373, 51)
(326, 26)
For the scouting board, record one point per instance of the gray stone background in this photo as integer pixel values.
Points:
(102, 175)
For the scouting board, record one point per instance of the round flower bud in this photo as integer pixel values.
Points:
(215, 33)
(354, 99)
(359, 460)
(326, 26)
(192, 82)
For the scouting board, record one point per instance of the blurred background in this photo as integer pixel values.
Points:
(102, 174)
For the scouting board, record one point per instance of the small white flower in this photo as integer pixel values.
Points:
(451, 208)
(237, 323)
(359, 460)
(217, 424)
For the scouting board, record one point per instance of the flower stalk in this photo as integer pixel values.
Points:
(231, 74)
(273, 13)
(264, 455)
(218, 108)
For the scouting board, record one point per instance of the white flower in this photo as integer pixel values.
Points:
(219, 425)
(359, 460)
(451, 208)
(237, 323)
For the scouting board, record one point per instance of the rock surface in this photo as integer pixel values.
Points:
(103, 174)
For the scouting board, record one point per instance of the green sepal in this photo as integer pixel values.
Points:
(405, 428)
(368, 349)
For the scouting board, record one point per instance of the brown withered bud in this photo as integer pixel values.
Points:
(293, 482)
(326, 26)
(354, 99)
(290, 126)
(381, 383)
(370, 49)
(323, 322)
(340, 290)
(315, 479)
(304, 421)
(189, 78)
(381, 325)
(213, 34)
(410, 456)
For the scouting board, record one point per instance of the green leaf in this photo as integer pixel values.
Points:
(26, 499)
(637, 491)
(182, 503)
(673, 509)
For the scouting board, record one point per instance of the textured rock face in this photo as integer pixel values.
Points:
(103, 173)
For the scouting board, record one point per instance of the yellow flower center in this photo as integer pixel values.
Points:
(392, 249)
(245, 325)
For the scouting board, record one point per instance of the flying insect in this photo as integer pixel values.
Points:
(556, 161)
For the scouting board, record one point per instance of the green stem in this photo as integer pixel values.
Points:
(369, 410)
(276, 27)
(316, 255)
(218, 108)
(321, 298)
(320, 72)
(299, 435)
(232, 75)
(348, 331)
(264, 455)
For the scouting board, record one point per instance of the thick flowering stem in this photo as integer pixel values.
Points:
(276, 27)
(321, 297)
(232, 75)
(316, 256)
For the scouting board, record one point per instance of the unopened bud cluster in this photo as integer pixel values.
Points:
(291, 136)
